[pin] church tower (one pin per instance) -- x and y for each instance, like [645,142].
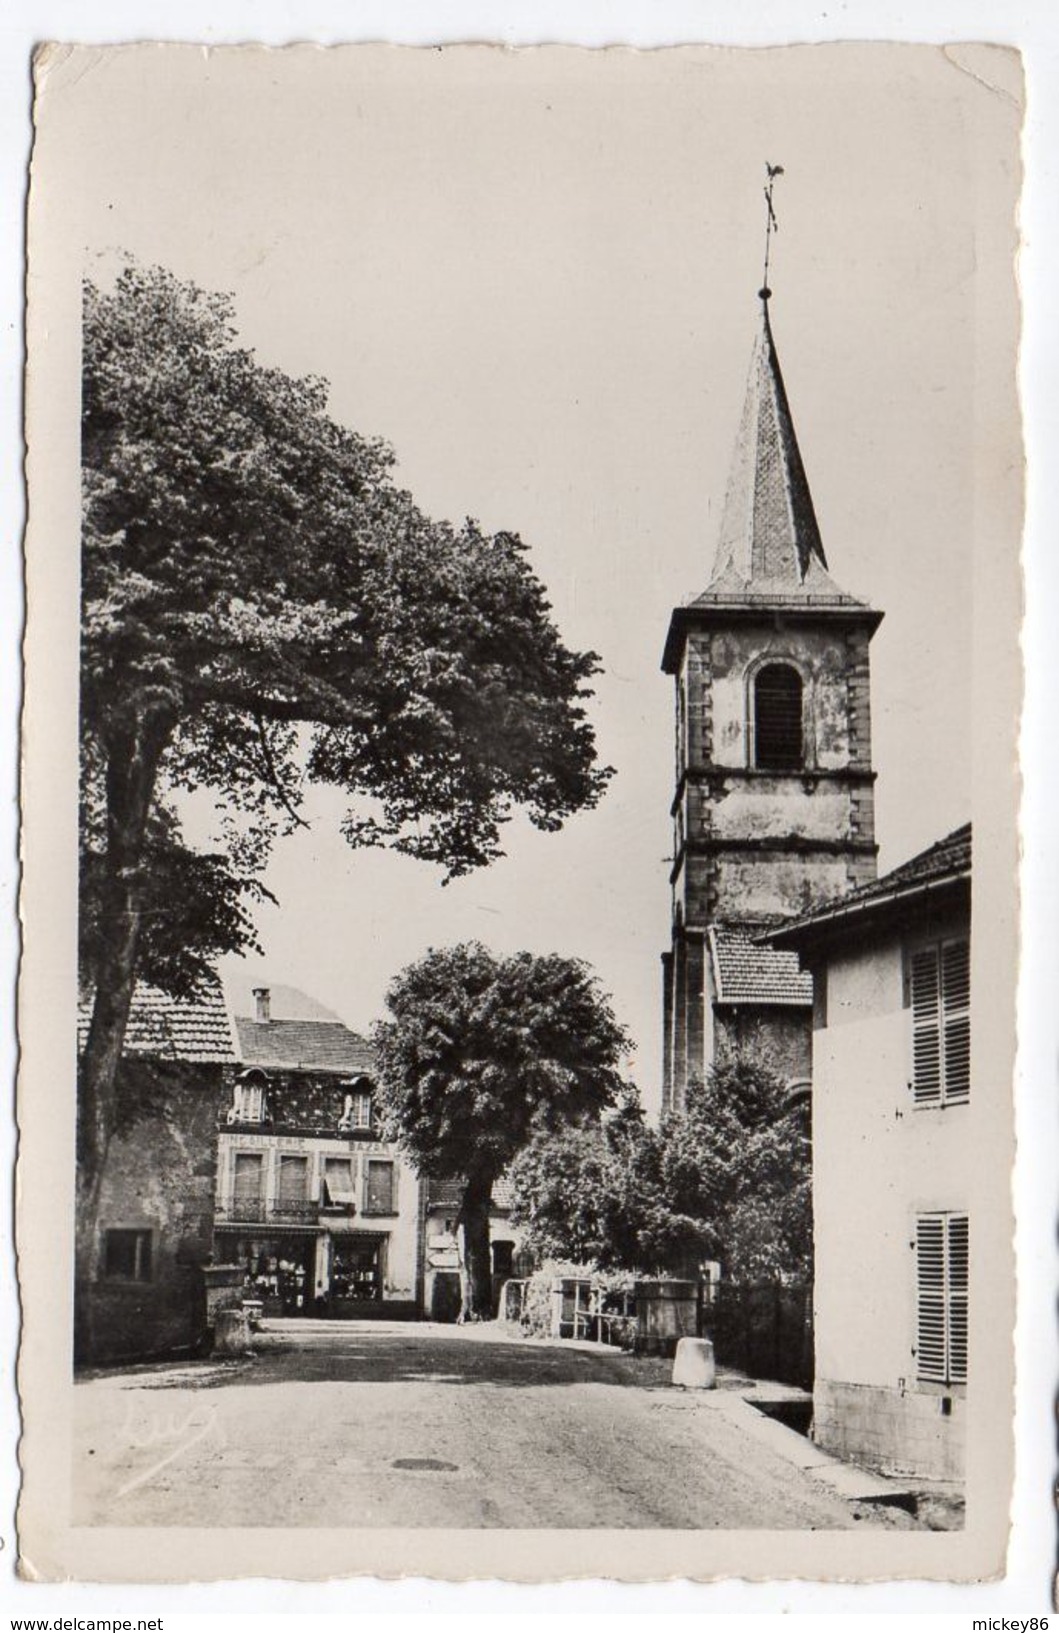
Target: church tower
[773,808]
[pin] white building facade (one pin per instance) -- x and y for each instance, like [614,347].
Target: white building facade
[893,1122]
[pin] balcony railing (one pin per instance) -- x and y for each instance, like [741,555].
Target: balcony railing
[244,1210]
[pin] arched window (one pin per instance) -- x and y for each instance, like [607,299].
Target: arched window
[778,734]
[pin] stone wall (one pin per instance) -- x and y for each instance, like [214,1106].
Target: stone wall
[779,1039]
[159,1180]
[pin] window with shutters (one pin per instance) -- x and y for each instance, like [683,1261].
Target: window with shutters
[248,1170]
[379,1188]
[248,1101]
[942,1267]
[356,1109]
[939,983]
[777,734]
[293,1179]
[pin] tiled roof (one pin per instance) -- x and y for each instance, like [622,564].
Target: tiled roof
[944,862]
[747,972]
[320,1046]
[166,1028]
[448,1193]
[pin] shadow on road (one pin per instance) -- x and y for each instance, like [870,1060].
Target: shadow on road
[387,1359]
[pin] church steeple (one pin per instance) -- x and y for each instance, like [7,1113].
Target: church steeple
[773,808]
[770,539]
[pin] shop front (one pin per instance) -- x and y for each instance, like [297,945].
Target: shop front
[279,1268]
[355,1274]
[309,1272]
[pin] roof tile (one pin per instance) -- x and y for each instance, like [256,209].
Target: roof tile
[164,1028]
[746,972]
[946,859]
[321,1046]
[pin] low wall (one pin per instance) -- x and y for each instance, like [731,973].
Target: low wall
[911,1433]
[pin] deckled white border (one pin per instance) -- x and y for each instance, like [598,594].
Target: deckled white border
[1030,27]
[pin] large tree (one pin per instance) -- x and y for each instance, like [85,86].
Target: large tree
[263,607]
[479,1054]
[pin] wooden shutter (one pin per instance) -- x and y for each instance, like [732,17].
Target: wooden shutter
[380,1187]
[293,1179]
[956,1014]
[778,731]
[248,1171]
[958,1275]
[942,1271]
[926,1026]
[930,1298]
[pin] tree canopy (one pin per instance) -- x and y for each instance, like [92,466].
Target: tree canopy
[725,1178]
[260,594]
[479,1053]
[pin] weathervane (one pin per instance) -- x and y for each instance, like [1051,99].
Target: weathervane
[771,224]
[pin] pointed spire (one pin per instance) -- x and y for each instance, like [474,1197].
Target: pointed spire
[770,538]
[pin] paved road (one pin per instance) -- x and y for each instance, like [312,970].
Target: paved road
[371,1425]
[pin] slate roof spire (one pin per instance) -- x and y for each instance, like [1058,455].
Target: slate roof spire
[770,546]
[770,538]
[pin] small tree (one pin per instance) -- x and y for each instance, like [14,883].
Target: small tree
[738,1159]
[478,1055]
[727,1177]
[597,1193]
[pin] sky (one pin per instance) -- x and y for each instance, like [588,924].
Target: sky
[536,278]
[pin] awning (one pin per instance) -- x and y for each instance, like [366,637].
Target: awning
[340,1196]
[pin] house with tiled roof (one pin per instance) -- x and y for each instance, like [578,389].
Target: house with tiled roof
[894,1099]
[155,1219]
[773,805]
[313,1203]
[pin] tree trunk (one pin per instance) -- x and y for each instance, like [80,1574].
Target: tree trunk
[132,769]
[477,1261]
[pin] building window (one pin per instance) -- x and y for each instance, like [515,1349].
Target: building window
[778,735]
[356,1110]
[942,1264]
[127,1255]
[248,1171]
[939,980]
[338,1182]
[293,1179]
[248,1102]
[380,1188]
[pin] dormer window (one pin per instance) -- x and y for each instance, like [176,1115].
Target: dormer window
[778,738]
[248,1099]
[356,1108]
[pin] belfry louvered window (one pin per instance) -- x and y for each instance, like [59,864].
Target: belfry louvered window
[940,999]
[942,1267]
[778,737]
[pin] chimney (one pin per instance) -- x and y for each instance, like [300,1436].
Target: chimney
[262,1004]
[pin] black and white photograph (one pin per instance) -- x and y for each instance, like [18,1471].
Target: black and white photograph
[518,1016]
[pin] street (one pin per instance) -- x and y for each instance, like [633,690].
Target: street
[372,1424]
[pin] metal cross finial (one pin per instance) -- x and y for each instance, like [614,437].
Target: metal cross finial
[771,224]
